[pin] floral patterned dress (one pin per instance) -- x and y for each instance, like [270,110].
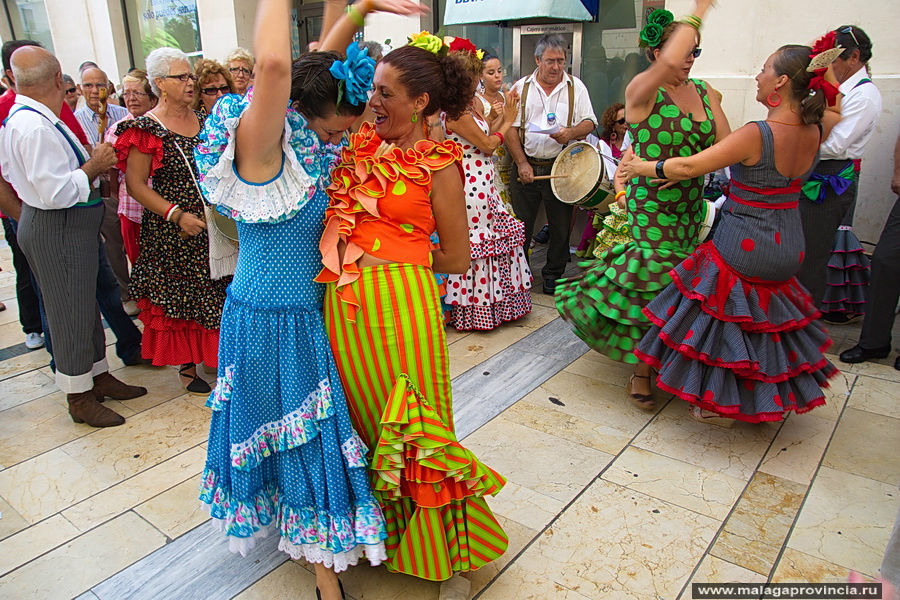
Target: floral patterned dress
[181,306]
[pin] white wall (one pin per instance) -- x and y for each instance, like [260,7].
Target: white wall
[739,36]
[89,30]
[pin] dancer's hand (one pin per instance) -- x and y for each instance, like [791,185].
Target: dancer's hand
[628,166]
[511,108]
[397,7]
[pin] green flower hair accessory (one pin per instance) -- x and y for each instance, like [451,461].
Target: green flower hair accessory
[427,41]
[657,21]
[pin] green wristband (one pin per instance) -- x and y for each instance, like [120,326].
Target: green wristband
[358,19]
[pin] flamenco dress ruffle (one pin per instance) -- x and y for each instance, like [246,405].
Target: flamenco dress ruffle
[496,287]
[282,452]
[746,349]
[612,230]
[847,277]
[389,341]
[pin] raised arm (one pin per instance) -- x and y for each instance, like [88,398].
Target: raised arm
[346,26]
[258,136]
[641,91]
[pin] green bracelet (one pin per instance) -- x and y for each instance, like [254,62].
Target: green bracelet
[693,21]
[358,19]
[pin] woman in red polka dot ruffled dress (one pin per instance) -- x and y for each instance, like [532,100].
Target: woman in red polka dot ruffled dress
[736,334]
[497,286]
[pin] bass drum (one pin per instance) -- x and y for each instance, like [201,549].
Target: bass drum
[580,177]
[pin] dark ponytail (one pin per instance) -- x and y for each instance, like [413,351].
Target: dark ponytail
[448,79]
[792,60]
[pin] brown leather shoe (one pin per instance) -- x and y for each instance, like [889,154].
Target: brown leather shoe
[84,408]
[107,385]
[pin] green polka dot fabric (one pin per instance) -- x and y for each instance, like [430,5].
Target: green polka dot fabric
[604,303]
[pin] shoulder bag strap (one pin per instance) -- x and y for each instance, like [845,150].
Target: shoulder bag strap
[522,127]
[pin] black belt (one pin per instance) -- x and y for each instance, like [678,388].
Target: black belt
[540,161]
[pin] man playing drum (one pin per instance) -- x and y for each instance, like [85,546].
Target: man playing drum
[555,110]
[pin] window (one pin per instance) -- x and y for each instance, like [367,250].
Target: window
[29,21]
[157,23]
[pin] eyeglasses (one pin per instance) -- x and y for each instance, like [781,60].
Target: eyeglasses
[183,78]
[554,61]
[236,70]
[71,90]
[621,121]
[696,52]
[849,29]
[134,94]
[212,91]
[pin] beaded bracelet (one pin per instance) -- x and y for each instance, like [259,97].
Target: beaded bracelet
[693,21]
[355,16]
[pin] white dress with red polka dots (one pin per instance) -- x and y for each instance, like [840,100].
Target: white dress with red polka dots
[735,332]
[496,288]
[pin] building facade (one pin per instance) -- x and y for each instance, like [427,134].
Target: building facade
[737,38]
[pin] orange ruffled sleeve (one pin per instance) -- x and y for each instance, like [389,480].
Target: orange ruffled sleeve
[361,184]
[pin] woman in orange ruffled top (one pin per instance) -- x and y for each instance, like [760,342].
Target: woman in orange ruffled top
[393,188]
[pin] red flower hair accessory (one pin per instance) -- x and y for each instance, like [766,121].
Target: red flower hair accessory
[461,44]
[826,42]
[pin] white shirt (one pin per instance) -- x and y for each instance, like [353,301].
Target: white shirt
[90,121]
[538,105]
[860,109]
[38,161]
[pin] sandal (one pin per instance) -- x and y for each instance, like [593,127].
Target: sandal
[642,401]
[709,417]
[196,385]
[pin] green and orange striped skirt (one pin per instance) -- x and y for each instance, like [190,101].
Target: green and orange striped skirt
[394,365]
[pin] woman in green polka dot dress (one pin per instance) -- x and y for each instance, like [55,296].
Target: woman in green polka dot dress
[669,115]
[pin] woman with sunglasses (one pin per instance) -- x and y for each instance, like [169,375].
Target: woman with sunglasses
[181,305]
[668,115]
[735,334]
[213,82]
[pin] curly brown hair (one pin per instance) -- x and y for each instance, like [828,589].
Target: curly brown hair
[448,79]
[206,69]
[608,120]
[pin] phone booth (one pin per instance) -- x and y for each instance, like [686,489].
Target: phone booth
[525,38]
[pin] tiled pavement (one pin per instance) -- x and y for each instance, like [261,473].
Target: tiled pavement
[603,500]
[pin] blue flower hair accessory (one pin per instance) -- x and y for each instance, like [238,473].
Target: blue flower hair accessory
[355,75]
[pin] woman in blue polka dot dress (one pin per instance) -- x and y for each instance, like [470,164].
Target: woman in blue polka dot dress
[282,451]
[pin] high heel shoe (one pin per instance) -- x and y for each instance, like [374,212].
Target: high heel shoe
[642,401]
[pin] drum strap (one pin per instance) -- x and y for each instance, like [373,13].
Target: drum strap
[524,99]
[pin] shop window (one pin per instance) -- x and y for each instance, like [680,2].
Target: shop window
[29,21]
[157,23]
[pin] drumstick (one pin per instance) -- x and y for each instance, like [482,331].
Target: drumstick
[542,177]
[101,127]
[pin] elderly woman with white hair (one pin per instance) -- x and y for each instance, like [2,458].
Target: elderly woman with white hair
[181,305]
[240,66]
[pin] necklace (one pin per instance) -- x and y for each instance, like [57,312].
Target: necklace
[784,123]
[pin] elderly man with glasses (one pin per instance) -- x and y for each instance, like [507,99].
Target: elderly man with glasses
[557,104]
